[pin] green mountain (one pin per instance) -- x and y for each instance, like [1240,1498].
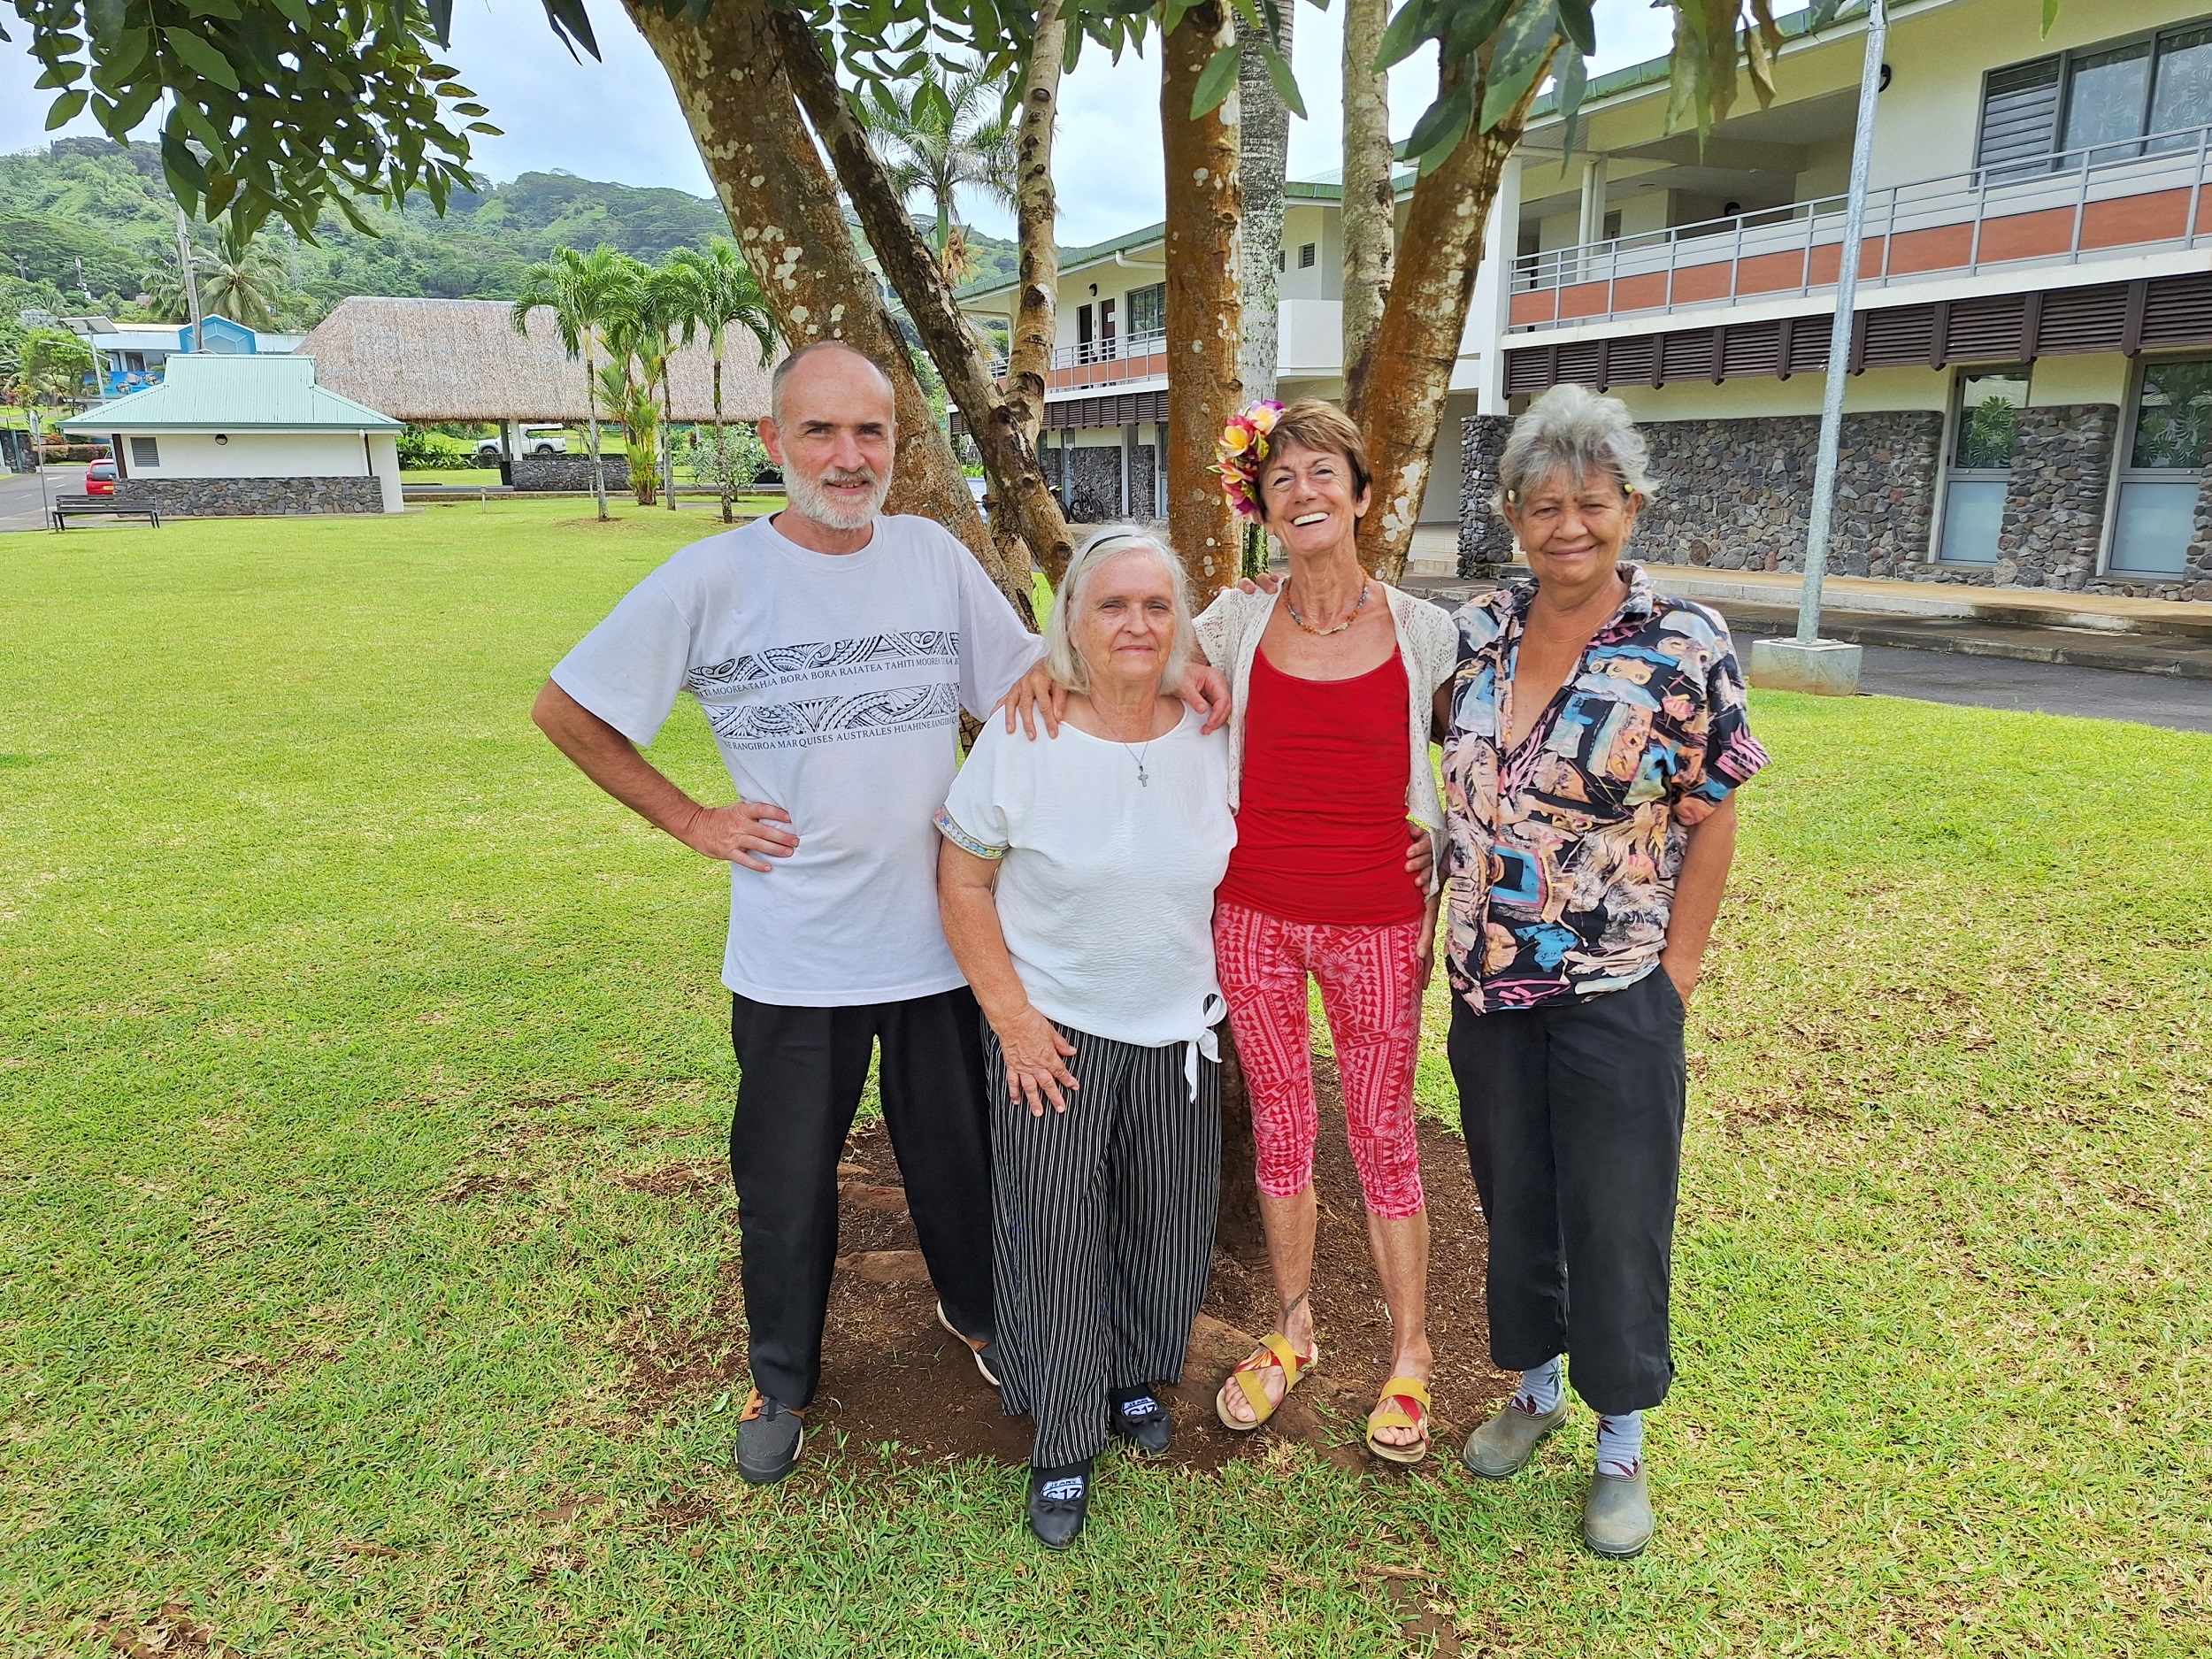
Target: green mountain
[87,216]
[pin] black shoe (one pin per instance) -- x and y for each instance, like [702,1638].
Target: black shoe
[1058,1500]
[1140,1417]
[986,1352]
[768,1436]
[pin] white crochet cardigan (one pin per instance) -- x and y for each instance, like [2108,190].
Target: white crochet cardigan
[1229,633]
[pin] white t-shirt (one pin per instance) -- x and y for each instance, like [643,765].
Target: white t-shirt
[1106,888]
[833,684]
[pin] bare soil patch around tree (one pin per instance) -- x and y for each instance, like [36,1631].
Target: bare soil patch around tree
[895,1388]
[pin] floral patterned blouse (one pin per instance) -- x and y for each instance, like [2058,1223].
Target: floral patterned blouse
[1562,854]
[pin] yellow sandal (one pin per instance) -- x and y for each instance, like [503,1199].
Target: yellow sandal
[1403,1404]
[1275,1350]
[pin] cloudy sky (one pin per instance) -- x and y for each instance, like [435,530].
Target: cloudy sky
[617,120]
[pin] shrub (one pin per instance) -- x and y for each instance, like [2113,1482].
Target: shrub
[425,451]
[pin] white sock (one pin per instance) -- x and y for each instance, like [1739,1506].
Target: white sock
[1621,1445]
[1539,1392]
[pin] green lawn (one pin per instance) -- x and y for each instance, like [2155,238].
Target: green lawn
[338,1005]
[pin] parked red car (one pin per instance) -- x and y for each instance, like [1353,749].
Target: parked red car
[99,478]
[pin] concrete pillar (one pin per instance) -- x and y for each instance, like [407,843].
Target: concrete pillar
[383,449]
[1592,225]
[1491,313]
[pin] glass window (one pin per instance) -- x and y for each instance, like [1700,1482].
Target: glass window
[1147,311]
[1305,255]
[1989,401]
[145,452]
[2105,95]
[2182,97]
[1973,513]
[2150,536]
[2173,416]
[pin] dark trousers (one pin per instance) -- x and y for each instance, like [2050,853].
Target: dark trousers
[1105,1230]
[801,1071]
[1573,1114]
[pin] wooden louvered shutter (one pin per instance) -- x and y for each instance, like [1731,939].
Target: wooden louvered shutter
[2019,115]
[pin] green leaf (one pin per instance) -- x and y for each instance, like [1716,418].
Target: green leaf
[65,107]
[1525,45]
[1449,112]
[226,9]
[296,12]
[1578,25]
[1286,83]
[104,20]
[201,58]
[1404,35]
[1215,82]
[187,178]
[1574,80]
[62,75]
[2050,17]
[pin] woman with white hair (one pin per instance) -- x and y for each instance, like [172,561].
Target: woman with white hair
[1595,734]
[1077,881]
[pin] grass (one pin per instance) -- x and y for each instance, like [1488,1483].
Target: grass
[338,1007]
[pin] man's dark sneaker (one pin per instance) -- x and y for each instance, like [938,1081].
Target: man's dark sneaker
[768,1439]
[1139,1418]
[1058,1500]
[986,1352]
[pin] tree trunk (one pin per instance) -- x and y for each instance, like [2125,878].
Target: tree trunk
[1204,314]
[1023,507]
[1036,213]
[729,78]
[591,409]
[668,434]
[1400,412]
[721,437]
[1368,226]
[1204,390]
[1262,163]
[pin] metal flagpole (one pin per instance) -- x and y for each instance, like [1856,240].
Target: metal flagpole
[38,465]
[1839,335]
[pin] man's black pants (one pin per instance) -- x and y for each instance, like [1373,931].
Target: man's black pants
[801,1071]
[1573,1114]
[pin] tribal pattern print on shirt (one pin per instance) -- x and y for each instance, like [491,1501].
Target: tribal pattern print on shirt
[825,659]
[1564,854]
[731,692]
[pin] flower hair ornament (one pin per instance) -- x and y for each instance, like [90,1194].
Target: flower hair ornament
[1239,453]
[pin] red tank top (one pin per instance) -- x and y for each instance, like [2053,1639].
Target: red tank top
[1321,823]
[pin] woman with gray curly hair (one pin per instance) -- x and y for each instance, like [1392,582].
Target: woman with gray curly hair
[1076,879]
[1595,733]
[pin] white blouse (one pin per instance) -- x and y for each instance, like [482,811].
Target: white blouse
[1110,853]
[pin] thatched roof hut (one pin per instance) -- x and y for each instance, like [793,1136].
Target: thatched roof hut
[432,360]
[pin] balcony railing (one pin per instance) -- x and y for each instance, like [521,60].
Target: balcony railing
[2092,202]
[1102,362]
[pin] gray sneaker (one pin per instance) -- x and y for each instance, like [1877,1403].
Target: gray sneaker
[1503,1446]
[768,1436]
[1617,1515]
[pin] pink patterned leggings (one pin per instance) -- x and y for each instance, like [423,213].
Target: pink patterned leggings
[1374,1011]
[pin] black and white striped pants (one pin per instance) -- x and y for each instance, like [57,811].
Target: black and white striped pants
[1105,1234]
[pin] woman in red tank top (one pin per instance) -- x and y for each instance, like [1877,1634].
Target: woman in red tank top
[1333,683]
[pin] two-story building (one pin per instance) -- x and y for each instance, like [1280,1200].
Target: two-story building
[1106,403]
[2031,391]
[135,355]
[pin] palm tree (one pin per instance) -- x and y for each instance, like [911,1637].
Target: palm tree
[667,300]
[629,399]
[947,133]
[724,295]
[244,281]
[583,291]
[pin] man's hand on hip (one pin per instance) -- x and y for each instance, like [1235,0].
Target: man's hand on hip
[746,833]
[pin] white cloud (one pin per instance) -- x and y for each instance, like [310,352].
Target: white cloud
[617,120]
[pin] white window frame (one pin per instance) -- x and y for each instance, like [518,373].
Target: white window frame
[1954,414]
[2123,473]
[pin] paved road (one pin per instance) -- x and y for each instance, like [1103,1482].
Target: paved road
[20,508]
[1986,682]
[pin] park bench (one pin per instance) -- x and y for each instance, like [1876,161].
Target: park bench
[66,507]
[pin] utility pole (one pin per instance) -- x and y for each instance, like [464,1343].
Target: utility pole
[1809,663]
[191,281]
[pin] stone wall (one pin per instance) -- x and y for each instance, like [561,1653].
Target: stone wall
[2055,502]
[248,498]
[1485,540]
[569,472]
[1093,486]
[1736,495]
[2197,583]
